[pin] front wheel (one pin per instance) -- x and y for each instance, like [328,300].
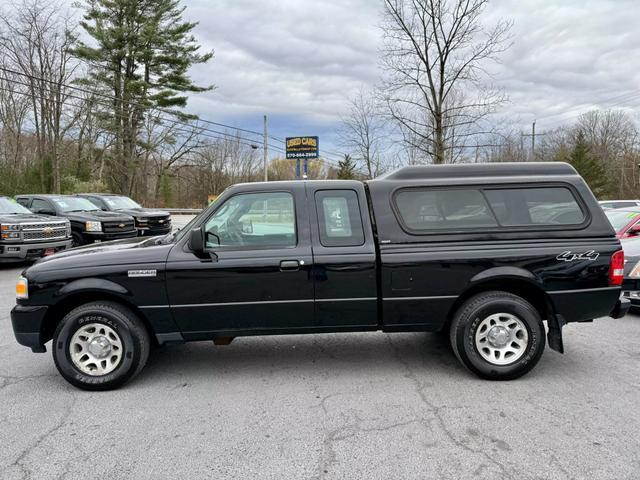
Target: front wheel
[100,346]
[76,240]
[498,335]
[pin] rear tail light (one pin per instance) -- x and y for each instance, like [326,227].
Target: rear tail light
[616,268]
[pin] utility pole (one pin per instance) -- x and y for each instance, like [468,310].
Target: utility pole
[533,141]
[265,151]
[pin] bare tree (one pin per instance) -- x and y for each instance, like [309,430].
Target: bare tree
[435,53]
[35,40]
[612,136]
[363,132]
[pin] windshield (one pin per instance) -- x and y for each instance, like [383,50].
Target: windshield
[119,203]
[74,204]
[620,218]
[9,206]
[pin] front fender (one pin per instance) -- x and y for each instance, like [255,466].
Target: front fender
[92,285]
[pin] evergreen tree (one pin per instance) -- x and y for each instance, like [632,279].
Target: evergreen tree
[588,166]
[346,168]
[140,55]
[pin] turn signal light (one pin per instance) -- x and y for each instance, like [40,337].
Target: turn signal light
[616,268]
[22,288]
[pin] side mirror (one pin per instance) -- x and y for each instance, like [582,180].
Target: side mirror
[634,230]
[196,240]
[46,212]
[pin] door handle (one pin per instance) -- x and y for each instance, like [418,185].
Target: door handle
[289,265]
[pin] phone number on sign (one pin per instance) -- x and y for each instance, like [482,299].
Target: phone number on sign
[302,155]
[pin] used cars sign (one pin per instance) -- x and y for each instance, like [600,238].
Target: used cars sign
[302,147]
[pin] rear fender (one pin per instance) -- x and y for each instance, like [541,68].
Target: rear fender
[524,283]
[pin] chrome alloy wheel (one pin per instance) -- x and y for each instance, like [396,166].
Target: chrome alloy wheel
[501,338]
[96,349]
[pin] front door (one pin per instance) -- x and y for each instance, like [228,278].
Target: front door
[258,276]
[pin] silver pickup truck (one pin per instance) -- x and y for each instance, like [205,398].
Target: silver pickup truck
[26,236]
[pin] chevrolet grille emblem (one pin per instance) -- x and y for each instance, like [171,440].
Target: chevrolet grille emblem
[161,221]
[47,230]
[121,225]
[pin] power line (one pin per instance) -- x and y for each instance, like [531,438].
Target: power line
[106,101]
[111,97]
[170,121]
[622,99]
[199,131]
[194,130]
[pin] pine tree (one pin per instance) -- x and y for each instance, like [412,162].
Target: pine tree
[588,166]
[346,168]
[140,55]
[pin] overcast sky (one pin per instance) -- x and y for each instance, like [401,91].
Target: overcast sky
[299,60]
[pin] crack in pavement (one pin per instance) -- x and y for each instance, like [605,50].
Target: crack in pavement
[18,462]
[435,410]
[344,432]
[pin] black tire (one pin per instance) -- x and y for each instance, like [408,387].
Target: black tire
[467,320]
[76,240]
[132,334]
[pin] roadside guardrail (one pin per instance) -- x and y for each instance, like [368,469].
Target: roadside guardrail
[183,211]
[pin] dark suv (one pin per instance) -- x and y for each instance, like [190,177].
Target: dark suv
[89,224]
[485,253]
[149,222]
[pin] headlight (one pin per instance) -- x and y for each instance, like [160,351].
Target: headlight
[22,288]
[9,227]
[635,271]
[68,227]
[9,231]
[93,226]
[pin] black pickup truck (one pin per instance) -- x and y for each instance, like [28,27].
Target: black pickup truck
[149,222]
[89,224]
[482,252]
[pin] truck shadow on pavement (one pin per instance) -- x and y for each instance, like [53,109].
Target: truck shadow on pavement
[304,355]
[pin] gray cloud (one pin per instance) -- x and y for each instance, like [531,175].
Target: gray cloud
[299,60]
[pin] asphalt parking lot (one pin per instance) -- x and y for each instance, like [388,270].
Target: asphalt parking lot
[374,406]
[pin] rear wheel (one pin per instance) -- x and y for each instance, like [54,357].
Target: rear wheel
[100,346]
[498,335]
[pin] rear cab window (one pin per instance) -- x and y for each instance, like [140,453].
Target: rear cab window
[433,209]
[339,219]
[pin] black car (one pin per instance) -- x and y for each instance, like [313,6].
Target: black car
[149,222]
[89,224]
[26,236]
[475,251]
[631,284]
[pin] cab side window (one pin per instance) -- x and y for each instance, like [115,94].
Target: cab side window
[339,219]
[39,206]
[253,220]
[98,202]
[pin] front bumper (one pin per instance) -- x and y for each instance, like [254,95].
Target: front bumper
[633,296]
[27,323]
[20,252]
[93,237]
[152,232]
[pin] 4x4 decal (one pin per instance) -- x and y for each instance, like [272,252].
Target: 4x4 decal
[569,256]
